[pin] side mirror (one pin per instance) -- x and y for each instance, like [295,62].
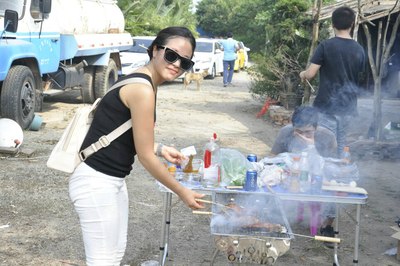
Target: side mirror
[45,6]
[11,20]
[218,51]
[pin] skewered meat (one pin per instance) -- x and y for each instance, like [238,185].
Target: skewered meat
[267,226]
[241,217]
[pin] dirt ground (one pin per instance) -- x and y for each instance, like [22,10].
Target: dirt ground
[38,225]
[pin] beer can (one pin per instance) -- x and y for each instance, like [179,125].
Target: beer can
[250,183]
[252,158]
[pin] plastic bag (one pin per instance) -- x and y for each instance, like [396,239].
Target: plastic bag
[234,166]
[336,169]
[270,175]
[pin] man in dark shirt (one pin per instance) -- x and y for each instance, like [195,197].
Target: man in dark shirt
[339,60]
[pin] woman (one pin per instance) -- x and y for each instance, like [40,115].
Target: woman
[97,187]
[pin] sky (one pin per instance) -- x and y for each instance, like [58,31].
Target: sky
[194,5]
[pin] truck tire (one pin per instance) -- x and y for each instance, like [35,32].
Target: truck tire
[105,77]
[18,96]
[87,89]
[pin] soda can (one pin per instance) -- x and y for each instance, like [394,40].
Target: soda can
[252,158]
[250,183]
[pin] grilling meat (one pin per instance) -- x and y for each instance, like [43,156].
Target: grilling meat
[241,217]
[266,226]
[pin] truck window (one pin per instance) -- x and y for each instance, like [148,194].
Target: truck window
[12,5]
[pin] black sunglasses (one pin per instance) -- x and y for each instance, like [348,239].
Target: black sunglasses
[170,56]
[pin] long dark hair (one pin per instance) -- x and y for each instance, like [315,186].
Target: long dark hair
[165,34]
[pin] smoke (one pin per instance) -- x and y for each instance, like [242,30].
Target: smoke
[247,214]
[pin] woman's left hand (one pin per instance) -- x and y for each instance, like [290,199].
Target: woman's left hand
[172,155]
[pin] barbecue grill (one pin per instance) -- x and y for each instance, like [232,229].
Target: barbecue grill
[249,227]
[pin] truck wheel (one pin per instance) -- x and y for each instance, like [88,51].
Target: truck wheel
[87,89]
[105,77]
[18,96]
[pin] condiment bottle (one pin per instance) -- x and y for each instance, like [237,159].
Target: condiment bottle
[295,175]
[304,173]
[212,173]
[346,155]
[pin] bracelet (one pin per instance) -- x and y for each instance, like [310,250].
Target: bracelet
[159,149]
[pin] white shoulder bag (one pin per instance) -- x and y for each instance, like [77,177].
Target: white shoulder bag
[65,156]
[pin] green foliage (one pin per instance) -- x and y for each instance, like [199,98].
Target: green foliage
[219,17]
[278,32]
[264,82]
[286,53]
[148,17]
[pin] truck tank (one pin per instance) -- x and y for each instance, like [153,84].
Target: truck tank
[87,16]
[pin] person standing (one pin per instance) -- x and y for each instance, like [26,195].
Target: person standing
[97,187]
[230,47]
[340,62]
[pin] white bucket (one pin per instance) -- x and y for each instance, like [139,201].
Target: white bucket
[11,134]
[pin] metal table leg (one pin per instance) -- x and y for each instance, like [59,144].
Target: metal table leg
[357,235]
[336,229]
[214,255]
[165,228]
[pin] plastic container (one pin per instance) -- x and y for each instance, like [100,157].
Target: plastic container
[212,173]
[36,123]
[304,173]
[340,172]
[346,155]
[294,175]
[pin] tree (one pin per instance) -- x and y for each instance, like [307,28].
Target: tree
[286,49]
[378,64]
[219,17]
[148,17]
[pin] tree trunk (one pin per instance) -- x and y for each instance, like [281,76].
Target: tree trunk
[317,9]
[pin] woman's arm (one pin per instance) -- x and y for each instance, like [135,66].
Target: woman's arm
[139,98]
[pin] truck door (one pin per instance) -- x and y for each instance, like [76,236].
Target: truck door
[45,39]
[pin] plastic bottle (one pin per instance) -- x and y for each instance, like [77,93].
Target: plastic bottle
[315,169]
[304,173]
[212,175]
[346,155]
[295,175]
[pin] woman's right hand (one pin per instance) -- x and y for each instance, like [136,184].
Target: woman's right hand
[189,197]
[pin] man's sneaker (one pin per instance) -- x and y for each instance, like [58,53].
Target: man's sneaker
[328,232]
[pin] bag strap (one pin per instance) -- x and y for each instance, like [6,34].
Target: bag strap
[105,140]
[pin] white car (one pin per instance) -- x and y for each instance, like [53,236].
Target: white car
[208,55]
[137,55]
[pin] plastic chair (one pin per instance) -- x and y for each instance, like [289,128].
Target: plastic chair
[315,218]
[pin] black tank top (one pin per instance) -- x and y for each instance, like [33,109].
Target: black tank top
[117,158]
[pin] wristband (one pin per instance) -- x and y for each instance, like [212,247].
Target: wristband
[159,149]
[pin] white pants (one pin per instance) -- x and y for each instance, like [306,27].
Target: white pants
[101,202]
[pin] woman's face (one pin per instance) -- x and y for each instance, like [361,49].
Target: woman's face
[167,70]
